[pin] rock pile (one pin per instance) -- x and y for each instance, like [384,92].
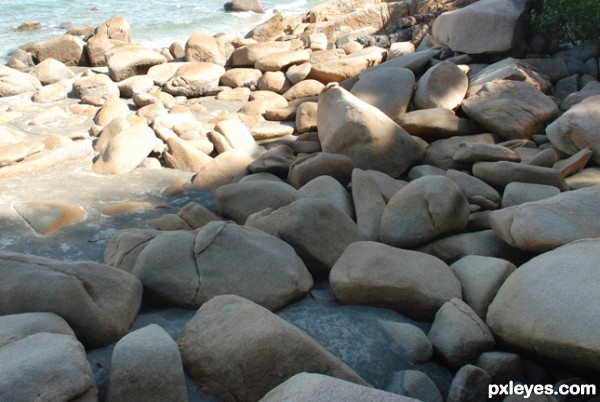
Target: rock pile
[462,195]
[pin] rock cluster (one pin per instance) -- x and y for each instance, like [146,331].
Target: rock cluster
[460,197]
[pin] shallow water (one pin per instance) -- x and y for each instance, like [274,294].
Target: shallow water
[153,22]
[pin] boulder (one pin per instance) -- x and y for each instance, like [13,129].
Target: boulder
[276,160]
[487,26]
[241,77]
[66,49]
[207,266]
[480,278]
[282,60]
[116,28]
[577,129]
[46,367]
[54,92]
[388,89]
[500,174]
[551,222]
[225,168]
[434,124]
[194,79]
[99,302]
[126,150]
[244,5]
[237,201]
[458,334]
[509,69]
[369,204]
[441,153]
[137,84]
[318,241]
[246,56]
[307,387]
[307,167]
[503,367]
[415,384]
[98,46]
[442,86]
[13,82]
[510,109]
[306,117]
[235,135]
[546,306]
[183,155]
[423,210]
[204,48]
[470,384]
[132,61]
[98,85]
[146,365]
[50,71]
[124,247]
[338,70]
[471,152]
[113,108]
[410,282]
[274,81]
[371,139]
[516,193]
[229,331]
[14,327]
[303,89]
[476,190]
[329,189]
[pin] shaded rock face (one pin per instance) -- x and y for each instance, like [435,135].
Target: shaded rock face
[371,139]
[89,296]
[269,350]
[530,308]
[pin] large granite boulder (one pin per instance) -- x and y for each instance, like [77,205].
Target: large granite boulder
[146,365]
[99,302]
[67,49]
[410,282]
[132,60]
[442,86]
[486,26]
[126,150]
[350,126]
[423,210]
[547,307]
[46,367]
[201,47]
[577,129]
[194,79]
[239,351]
[260,267]
[551,222]
[510,109]
[318,230]
[13,82]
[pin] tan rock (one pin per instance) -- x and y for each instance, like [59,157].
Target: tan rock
[112,109]
[132,61]
[442,86]
[137,84]
[117,28]
[13,82]
[126,150]
[248,55]
[241,77]
[50,71]
[194,79]
[67,49]
[99,85]
[345,67]
[274,81]
[281,60]
[226,168]
[49,217]
[297,73]
[201,47]
[304,89]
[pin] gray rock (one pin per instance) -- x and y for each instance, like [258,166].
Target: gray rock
[476,190]
[576,129]
[517,193]
[442,86]
[329,189]
[574,164]
[46,367]
[510,109]
[370,273]
[369,204]
[146,365]
[16,326]
[503,367]
[99,302]
[500,174]
[354,128]
[318,241]
[551,222]
[437,123]
[305,168]
[237,201]
[415,384]
[308,387]
[411,339]
[458,334]
[586,178]
[472,152]
[423,210]
[530,309]
[490,26]
[418,171]
[470,384]
[208,266]
[124,247]
[276,160]
[441,152]
[388,89]
[509,69]
[229,331]
[480,278]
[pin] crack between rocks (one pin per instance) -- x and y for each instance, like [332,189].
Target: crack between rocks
[484,330]
[198,252]
[125,255]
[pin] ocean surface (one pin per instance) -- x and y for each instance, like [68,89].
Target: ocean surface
[155,23]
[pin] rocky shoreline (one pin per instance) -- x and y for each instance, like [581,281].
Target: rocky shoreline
[382,201]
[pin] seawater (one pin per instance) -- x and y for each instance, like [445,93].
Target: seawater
[154,23]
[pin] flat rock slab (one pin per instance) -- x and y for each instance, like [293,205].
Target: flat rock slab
[48,217]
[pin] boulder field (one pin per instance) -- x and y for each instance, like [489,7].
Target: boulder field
[385,201]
